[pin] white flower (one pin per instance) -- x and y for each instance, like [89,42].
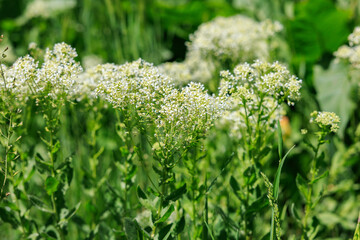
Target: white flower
[351,53]
[137,85]
[326,120]
[222,42]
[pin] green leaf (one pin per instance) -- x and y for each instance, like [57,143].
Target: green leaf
[51,185]
[175,195]
[7,215]
[55,147]
[303,39]
[294,213]
[325,174]
[73,211]
[39,204]
[180,225]
[229,159]
[249,175]
[157,171]
[41,164]
[334,90]
[280,140]
[207,229]
[166,215]
[228,221]
[165,232]
[278,173]
[302,185]
[131,229]
[357,230]
[131,173]
[141,193]
[256,206]
[319,27]
[235,186]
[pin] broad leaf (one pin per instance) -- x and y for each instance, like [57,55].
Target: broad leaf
[333,92]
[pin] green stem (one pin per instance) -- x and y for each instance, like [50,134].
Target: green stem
[162,197]
[308,207]
[246,206]
[8,135]
[52,161]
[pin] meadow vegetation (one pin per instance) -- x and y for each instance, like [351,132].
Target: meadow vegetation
[248,136]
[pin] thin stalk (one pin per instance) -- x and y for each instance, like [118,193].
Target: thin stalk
[6,156]
[52,161]
[309,200]
[162,197]
[2,75]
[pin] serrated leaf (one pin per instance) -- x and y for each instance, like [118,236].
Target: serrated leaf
[51,185]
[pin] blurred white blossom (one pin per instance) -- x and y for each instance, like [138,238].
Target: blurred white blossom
[223,42]
[351,53]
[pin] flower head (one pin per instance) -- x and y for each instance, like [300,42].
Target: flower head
[261,79]
[327,121]
[351,53]
[137,85]
[220,43]
[186,115]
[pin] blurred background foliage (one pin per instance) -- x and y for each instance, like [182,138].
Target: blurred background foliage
[156,30]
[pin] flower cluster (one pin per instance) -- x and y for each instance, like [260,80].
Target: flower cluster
[179,116]
[137,85]
[192,69]
[237,38]
[259,80]
[186,115]
[351,53]
[56,75]
[256,93]
[327,121]
[221,43]
[60,69]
